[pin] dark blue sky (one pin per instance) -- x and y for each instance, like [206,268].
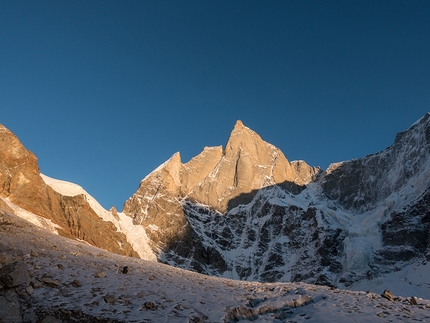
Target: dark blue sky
[105,91]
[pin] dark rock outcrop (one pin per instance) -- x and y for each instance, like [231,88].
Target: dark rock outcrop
[14,274]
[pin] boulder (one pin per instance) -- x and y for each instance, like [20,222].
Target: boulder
[387,295]
[14,274]
[9,308]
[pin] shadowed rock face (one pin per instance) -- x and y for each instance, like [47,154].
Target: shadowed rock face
[360,184]
[21,183]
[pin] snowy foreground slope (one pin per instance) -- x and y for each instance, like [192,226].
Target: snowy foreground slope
[74,282]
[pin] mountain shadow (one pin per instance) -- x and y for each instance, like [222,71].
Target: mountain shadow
[245,198]
[256,241]
[271,234]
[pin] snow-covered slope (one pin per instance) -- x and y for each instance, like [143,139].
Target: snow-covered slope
[75,282]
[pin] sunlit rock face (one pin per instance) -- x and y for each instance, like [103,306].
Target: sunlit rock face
[18,166]
[247,165]
[220,179]
[246,212]
[156,204]
[22,184]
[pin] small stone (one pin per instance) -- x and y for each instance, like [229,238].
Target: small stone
[387,295]
[76,283]
[124,270]
[413,300]
[110,299]
[152,277]
[60,266]
[33,254]
[100,274]
[35,283]
[50,319]
[126,301]
[5,259]
[179,307]
[50,282]
[150,306]
[29,289]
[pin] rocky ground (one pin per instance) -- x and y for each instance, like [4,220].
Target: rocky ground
[50,279]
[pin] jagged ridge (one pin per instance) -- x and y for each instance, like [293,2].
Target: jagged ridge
[246,212]
[251,214]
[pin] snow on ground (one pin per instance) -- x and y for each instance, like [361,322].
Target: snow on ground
[95,282]
[413,279]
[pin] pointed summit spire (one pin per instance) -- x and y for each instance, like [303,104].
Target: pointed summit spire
[242,135]
[239,125]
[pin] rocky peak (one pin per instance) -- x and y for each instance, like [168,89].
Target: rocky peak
[245,141]
[222,178]
[23,185]
[247,165]
[18,166]
[170,173]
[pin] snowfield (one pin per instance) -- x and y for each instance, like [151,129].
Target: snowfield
[76,282]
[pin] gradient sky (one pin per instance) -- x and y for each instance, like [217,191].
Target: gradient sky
[103,92]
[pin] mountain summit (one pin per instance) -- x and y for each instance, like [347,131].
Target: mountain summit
[218,178]
[248,164]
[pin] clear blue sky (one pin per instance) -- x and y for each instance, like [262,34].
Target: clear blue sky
[105,91]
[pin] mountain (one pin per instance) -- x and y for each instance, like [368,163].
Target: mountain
[24,191]
[245,212]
